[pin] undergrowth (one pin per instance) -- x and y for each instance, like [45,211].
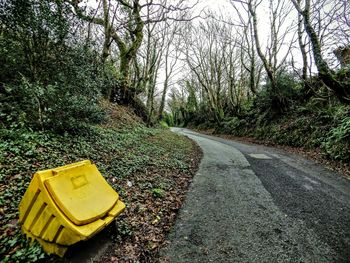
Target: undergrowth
[309,126]
[118,153]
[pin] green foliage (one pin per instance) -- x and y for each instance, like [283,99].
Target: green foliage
[207,125]
[119,155]
[46,84]
[337,144]
[191,105]
[123,229]
[233,125]
[26,251]
[280,100]
[169,119]
[311,124]
[158,193]
[49,108]
[164,124]
[184,111]
[306,126]
[343,74]
[289,115]
[38,30]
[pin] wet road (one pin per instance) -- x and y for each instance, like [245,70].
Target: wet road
[251,203]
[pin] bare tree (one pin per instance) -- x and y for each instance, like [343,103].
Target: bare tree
[327,75]
[214,59]
[123,22]
[279,29]
[201,56]
[171,57]
[246,42]
[152,58]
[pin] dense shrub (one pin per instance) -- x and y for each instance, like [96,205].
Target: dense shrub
[312,124]
[337,144]
[234,126]
[169,119]
[49,80]
[48,108]
[280,100]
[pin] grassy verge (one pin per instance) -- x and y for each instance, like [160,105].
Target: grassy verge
[153,197]
[144,165]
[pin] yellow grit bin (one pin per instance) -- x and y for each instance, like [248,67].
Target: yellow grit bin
[65,205]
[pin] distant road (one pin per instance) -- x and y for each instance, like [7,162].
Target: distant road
[251,203]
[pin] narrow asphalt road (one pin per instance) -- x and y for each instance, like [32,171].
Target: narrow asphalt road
[251,203]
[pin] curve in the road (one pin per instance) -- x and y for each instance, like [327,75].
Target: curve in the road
[251,203]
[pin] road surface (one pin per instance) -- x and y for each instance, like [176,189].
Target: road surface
[251,203]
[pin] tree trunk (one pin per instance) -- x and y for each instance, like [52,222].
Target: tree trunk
[162,102]
[302,49]
[341,90]
[267,67]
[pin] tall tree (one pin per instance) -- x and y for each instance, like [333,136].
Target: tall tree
[340,88]
[123,22]
[128,43]
[171,56]
[278,11]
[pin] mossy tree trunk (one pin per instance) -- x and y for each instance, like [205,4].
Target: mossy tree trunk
[127,47]
[327,75]
[269,68]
